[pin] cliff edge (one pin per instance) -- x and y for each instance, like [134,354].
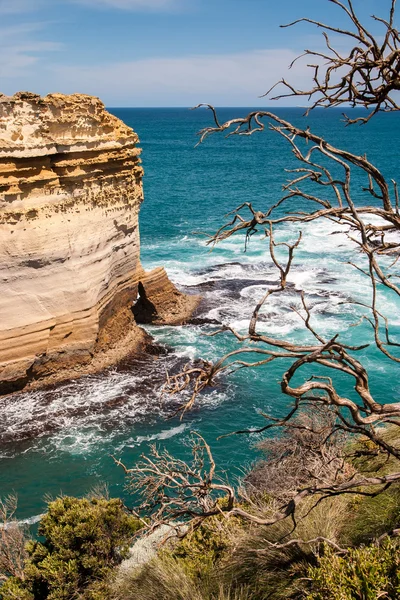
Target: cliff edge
[70,193]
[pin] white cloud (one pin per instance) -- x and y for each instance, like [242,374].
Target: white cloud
[20,49]
[132,5]
[19,31]
[9,7]
[229,79]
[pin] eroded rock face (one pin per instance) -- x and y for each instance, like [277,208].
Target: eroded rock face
[160,303]
[70,192]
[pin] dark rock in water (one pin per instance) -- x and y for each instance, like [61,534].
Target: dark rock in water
[261,266]
[115,402]
[319,295]
[202,287]
[264,317]
[203,321]
[214,268]
[234,286]
[157,349]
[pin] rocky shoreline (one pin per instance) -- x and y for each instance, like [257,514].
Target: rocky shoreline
[72,287]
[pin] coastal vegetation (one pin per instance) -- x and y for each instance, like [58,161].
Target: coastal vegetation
[324,377]
[80,542]
[350,438]
[344,548]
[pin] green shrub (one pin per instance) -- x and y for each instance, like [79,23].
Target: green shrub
[280,573]
[189,569]
[369,459]
[373,517]
[84,539]
[365,573]
[200,552]
[13,589]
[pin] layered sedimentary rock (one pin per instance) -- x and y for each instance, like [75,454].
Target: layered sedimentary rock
[70,192]
[160,303]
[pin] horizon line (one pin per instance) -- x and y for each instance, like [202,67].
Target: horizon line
[248,106]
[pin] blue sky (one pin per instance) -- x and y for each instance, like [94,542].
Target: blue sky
[160,52]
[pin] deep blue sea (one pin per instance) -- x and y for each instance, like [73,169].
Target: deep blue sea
[61,440]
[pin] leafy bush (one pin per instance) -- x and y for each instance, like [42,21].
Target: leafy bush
[201,552]
[84,540]
[189,569]
[373,516]
[365,573]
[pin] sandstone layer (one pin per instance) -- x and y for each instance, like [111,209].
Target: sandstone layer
[70,193]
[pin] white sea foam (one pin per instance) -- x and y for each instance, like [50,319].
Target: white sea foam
[165,434]
[80,415]
[30,521]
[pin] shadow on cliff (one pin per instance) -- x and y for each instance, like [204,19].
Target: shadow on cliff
[144,310]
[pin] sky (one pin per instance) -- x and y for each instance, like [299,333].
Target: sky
[162,52]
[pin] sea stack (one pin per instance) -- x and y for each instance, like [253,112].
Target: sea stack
[70,271]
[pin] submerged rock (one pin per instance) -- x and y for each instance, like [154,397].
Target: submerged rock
[70,193]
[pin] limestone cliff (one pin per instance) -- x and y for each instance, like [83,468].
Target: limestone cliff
[70,192]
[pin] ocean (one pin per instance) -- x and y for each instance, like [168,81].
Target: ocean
[61,440]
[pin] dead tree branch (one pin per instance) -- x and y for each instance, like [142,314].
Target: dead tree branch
[13,538]
[366,75]
[324,182]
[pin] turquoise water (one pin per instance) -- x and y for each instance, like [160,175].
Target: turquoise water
[61,440]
